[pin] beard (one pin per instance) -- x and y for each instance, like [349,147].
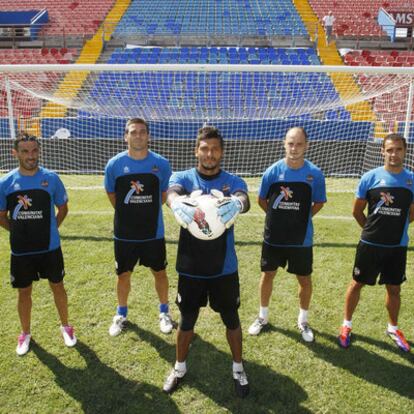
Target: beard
[30,165]
[210,167]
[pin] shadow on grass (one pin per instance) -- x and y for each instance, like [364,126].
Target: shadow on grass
[86,237]
[210,373]
[100,389]
[364,363]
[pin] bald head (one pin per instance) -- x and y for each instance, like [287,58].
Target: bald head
[297,132]
[296,144]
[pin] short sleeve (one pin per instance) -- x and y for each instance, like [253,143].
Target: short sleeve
[361,190]
[109,179]
[177,179]
[264,185]
[239,185]
[412,183]
[165,176]
[3,200]
[319,190]
[60,196]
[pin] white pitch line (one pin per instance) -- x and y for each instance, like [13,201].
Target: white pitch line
[111,212]
[251,190]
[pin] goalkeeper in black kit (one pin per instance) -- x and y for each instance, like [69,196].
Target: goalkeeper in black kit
[208,268]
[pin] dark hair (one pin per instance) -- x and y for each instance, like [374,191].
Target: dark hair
[301,129]
[209,132]
[136,121]
[394,137]
[23,136]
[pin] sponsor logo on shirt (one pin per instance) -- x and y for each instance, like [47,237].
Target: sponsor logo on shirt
[126,169]
[281,176]
[282,200]
[155,168]
[16,187]
[309,177]
[409,182]
[24,202]
[44,183]
[383,205]
[133,196]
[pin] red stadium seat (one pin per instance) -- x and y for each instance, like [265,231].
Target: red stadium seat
[62,14]
[73,5]
[357,18]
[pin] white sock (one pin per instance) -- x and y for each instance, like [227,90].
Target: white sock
[180,367]
[303,316]
[237,366]
[347,323]
[392,328]
[264,312]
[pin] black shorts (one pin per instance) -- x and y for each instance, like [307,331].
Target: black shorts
[147,253]
[388,262]
[28,268]
[298,259]
[222,292]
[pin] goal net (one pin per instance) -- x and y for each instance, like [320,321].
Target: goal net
[80,111]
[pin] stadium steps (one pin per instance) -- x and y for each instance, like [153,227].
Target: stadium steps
[344,84]
[72,83]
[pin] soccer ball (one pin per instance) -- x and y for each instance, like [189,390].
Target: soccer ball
[206,224]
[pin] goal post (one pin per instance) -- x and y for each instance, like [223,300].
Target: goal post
[80,111]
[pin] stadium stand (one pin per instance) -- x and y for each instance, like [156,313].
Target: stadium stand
[390,105]
[68,17]
[24,104]
[231,55]
[213,17]
[379,58]
[37,56]
[238,92]
[357,18]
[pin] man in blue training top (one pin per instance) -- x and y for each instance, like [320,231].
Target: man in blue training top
[382,250]
[292,191]
[28,196]
[208,269]
[136,181]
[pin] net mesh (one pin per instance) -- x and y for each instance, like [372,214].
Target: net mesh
[80,114]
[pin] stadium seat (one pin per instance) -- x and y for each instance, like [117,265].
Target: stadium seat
[75,18]
[235,18]
[356,18]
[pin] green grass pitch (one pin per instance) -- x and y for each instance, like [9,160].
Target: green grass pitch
[125,374]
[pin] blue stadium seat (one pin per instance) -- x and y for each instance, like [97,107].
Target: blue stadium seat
[209,17]
[241,93]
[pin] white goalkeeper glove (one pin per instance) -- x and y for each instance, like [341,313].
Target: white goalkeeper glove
[228,208]
[184,208]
